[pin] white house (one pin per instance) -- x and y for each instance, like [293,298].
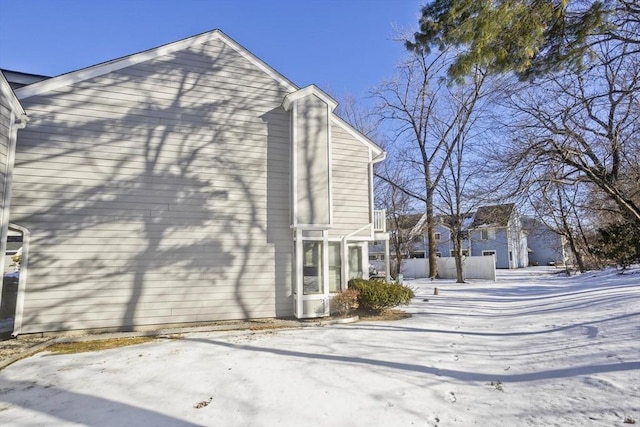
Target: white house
[187,183]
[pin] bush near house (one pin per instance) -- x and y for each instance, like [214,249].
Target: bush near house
[377,295]
[344,302]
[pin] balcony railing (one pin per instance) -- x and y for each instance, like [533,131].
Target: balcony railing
[380,221]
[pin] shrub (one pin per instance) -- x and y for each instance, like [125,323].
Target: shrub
[344,302]
[377,295]
[619,243]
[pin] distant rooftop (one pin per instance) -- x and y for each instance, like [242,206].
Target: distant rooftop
[493,216]
[18,79]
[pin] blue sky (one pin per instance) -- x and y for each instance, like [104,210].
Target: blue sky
[343,46]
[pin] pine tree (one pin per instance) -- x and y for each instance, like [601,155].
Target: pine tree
[529,37]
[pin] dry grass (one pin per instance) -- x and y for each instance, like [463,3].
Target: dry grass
[385,315]
[96,345]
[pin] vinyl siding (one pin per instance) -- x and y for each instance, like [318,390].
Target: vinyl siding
[157,194]
[312,158]
[5,131]
[350,184]
[500,244]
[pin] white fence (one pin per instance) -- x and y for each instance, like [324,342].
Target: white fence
[473,267]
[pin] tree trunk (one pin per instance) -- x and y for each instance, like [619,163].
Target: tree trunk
[431,237]
[576,253]
[457,254]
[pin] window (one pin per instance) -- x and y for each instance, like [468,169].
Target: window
[488,234]
[416,255]
[335,266]
[438,237]
[355,262]
[312,267]
[465,252]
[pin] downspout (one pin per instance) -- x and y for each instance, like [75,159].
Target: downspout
[22,280]
[14,126]
[380,157]
[6,197]
[387,262]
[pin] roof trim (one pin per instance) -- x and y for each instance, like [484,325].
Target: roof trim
[335,119]
[307,91]
[5,87]
[147,55]
[97,70]
[377,150]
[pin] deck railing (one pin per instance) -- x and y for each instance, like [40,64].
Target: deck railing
[380,220]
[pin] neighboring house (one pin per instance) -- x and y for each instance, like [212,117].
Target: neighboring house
[497,230]
[444,239]
[187,183]
[491,230]
[546,247]
[405,236]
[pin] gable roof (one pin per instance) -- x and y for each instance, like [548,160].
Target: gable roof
[445,220]
[147,55]
[408,222]
[493,216]
[306,91]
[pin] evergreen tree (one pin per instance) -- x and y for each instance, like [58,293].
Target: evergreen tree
[529,37]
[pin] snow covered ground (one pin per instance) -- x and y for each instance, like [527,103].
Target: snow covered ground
[530,349]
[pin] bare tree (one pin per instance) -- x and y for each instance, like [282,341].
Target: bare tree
[400,209]
[457,191]
[562,209]
[425,132]
[583,126]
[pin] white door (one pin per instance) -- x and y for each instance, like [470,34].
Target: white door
[311,297]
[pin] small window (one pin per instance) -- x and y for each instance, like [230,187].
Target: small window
[488,234]
[438,237]
[416,255]
[465,252]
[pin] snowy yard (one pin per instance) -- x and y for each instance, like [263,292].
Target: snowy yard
[530,349]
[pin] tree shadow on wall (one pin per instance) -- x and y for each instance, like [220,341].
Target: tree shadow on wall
[143,202]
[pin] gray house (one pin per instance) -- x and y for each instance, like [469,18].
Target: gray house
[187,183]
[546,247]
[497,230]
[490,231]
